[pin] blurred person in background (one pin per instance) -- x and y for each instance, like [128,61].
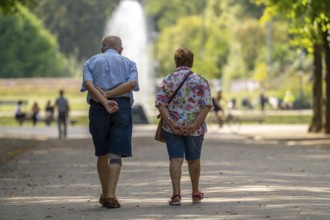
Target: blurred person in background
[217,107]
[19,114]
[49,113]
[63,109]
[288,100]
[35,115]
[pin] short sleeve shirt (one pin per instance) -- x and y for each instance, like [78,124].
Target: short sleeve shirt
[186,105]
[108,70]
[62,104]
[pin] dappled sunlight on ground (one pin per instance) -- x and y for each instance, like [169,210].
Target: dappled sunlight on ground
[242,179]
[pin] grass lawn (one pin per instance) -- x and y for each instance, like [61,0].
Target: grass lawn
[83,120]
[271,119]
[42,90]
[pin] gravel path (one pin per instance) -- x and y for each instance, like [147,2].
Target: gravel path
[243,177]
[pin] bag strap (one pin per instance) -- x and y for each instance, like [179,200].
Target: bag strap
[176,91]
[179,87]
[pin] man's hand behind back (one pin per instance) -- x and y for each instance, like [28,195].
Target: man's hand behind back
[111,106]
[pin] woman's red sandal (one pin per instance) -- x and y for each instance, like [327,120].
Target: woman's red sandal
[197,198]
[175,200]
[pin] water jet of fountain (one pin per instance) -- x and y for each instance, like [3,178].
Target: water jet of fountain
[129,23]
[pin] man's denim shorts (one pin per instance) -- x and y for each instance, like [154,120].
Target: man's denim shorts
[179,146]
[111,133]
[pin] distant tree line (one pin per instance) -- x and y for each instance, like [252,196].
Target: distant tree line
[269,41]
[27,49]
[78,25]
[50,38]
[310,25]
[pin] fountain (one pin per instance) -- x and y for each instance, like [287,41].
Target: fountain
[129,23]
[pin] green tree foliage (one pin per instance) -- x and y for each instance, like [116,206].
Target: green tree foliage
[284,55]
[224,45]
[249,50]
[78,25]
[11,6]
[248,8]
[311,28]
[26,48]
[309,18]
[205,34]
[167,13]
[251,35]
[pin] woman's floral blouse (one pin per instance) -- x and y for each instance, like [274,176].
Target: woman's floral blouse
[188,102]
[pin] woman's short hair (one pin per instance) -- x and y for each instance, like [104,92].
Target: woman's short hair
[184,57]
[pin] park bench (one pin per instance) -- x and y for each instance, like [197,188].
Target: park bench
[29,119]
[12,102]
[240,117]
[251,118]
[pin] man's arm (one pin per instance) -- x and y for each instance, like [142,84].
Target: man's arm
[110,105]
[120,89]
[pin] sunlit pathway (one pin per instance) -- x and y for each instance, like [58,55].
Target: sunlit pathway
[241,179]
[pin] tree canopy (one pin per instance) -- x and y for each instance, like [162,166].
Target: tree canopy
[310,24]
[226,36]
[167,13]
[309,19]
[78,25]
[27,48]
[11,6]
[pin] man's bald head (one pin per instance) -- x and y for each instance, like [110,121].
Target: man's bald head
[111,42]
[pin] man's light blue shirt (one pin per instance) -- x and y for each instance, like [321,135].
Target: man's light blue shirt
[108,70]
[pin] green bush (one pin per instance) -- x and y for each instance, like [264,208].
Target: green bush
[27,49]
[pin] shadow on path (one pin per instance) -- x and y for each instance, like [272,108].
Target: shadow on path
[241,178]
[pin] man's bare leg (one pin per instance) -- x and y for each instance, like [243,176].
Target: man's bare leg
[113,180]
[109,175]
[114,172]
[103,171]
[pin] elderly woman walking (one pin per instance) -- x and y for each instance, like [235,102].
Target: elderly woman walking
[184,121]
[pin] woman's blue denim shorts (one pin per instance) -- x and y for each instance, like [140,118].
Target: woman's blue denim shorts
[179,146]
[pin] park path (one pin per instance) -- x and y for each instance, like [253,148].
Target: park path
[265,172]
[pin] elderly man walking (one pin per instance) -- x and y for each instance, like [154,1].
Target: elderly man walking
[110,80]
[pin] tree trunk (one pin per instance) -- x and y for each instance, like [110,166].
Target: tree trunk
[317,118]
[327,81]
